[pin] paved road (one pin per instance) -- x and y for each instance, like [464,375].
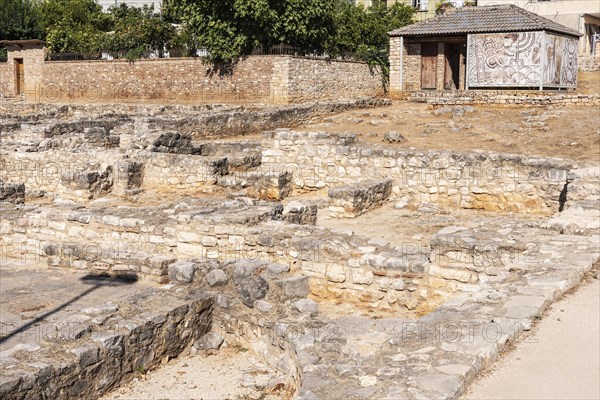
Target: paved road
[561,361]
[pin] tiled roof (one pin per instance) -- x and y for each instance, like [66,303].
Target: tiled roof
[483,19]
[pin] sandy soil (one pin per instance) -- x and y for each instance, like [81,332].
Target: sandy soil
[230,374]
[550,131]
[561,360]
[564,132]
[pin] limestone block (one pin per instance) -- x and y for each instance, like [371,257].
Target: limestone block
[358,198]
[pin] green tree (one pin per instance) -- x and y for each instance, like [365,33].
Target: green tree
[138,30]
[362,32]
[305,23]
[74,25]
[19,19]
[230,29]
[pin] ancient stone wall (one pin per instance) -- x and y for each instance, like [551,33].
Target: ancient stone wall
[472,180]
[93,360]
[143,245]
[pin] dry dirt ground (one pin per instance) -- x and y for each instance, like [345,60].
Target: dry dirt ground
[549,131]
[231,374]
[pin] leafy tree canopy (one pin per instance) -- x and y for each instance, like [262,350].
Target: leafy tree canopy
[229,29]
[19,19]
[73,25]
[138,30]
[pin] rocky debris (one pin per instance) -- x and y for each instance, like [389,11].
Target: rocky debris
[455,111]
[210,341]
[393,137]
[12,192]
[95,182]
[263,306]
[272,186]
[306,306]
[216,277]
[99,136]
[242,155]
[129,177]
[377,122]
[252,288]
[351,201]
[182,271]
[402,203]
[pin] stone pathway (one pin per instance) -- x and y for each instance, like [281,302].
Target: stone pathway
[34,300]
[561,360]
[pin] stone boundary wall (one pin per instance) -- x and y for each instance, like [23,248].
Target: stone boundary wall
[185,79]
[477,180]
[255,79]
[310,79]
[590,63]
[5,76]
[505,98]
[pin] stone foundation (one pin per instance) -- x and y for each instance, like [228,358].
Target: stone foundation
[488,181]
[504,97]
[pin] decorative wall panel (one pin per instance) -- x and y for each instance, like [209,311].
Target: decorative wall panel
[505,59]
[560,67]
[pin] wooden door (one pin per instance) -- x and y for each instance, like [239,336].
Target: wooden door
[429,52]
[452,68]
[20,70]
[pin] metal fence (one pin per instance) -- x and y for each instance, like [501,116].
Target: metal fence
[183,53]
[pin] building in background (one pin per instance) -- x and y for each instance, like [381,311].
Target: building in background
[106,4]
[580,15]
[502,47]
[425,8]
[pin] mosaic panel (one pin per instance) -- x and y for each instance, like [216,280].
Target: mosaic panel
[505,59]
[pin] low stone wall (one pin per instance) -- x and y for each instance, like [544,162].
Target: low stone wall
[143,243]
[352,201]
[478,180]
[590,63]
[92,360]
[506,97]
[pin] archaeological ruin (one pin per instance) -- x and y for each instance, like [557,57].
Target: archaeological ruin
[350,246]
[133,234]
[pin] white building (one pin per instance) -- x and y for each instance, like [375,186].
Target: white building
[106,4]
